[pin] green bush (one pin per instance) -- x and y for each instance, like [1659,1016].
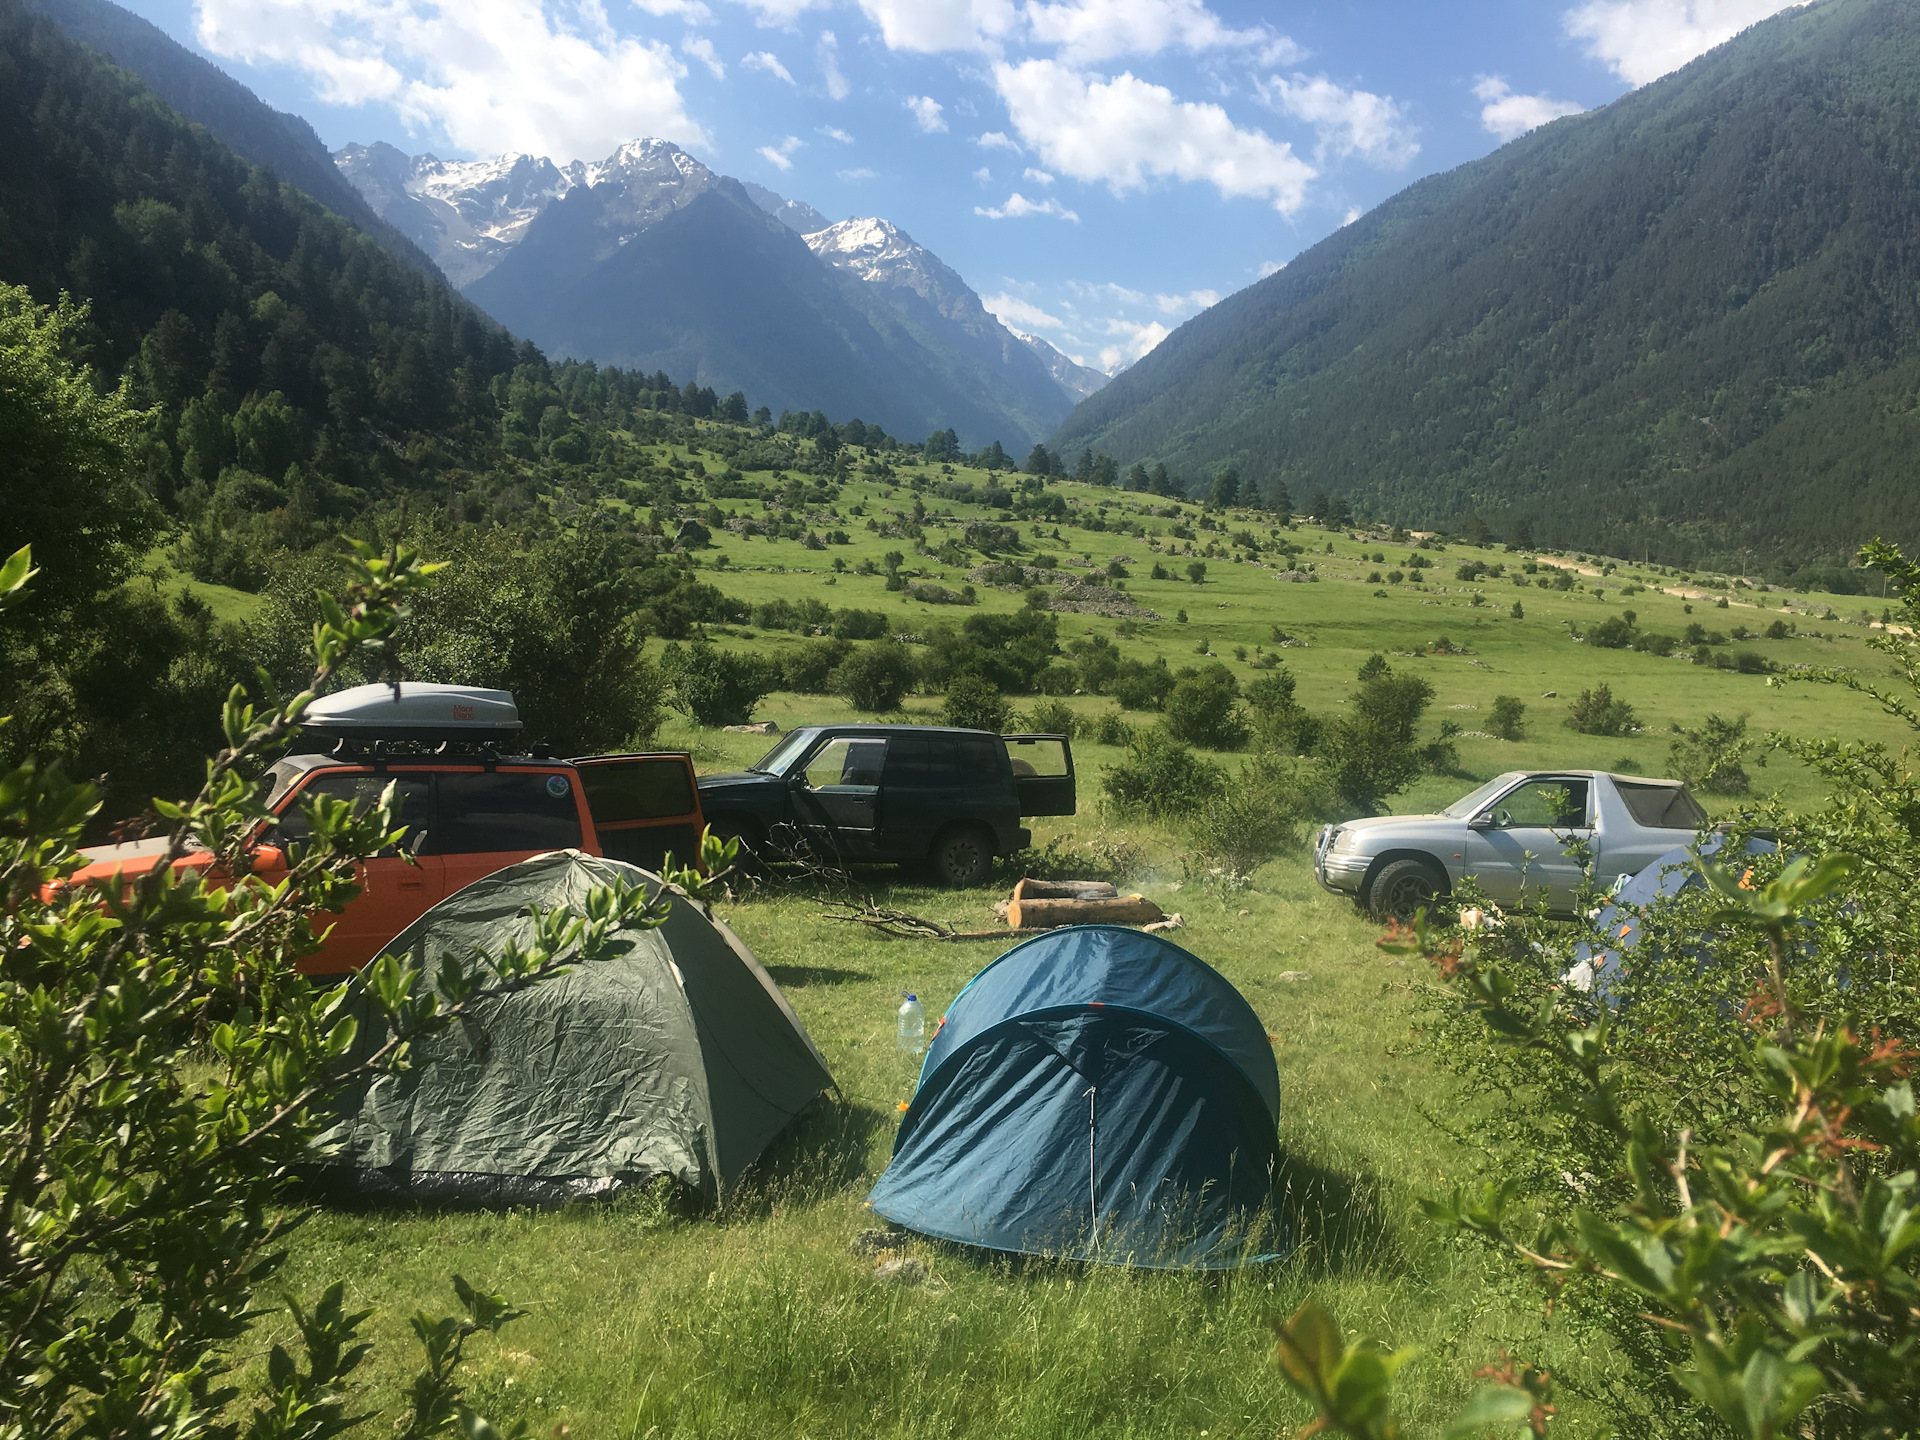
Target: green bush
[1709,756]
[1370,750]
[876,677]
[1111,729]
[712,686]
[976,704]
[1596,712]
[1053,717]
[1261,814]
[1160,777]
[1204,709]
[1141,686]
[1509,718]
[807,668]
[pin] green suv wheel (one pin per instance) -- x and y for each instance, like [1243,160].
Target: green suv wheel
[963,857]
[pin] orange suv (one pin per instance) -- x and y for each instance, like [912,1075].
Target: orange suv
[467,809]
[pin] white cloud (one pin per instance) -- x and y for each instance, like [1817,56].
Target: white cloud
[1126,131]
[691,11]
[837,87]
[994,140]
[701,49]
[982,176]
[1021,314]
[489,75]
[929,26]
[1354,212]
[1510,116]
[768,61]
[1018,207]
[782,12]
[1347,122]
[834,132]
[1039,177]
[780,156]
[1137,340]
[1641,40]
[1271,267]
[854,177]
[1092,30]
[1181,304]
[926,113]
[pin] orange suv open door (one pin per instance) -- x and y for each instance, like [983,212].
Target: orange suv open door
[643,806]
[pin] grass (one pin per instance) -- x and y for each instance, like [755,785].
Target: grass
[759,1321]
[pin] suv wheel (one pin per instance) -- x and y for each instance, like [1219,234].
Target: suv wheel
[963,857]
[1403,887]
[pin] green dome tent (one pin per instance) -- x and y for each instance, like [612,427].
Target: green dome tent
[680,1058]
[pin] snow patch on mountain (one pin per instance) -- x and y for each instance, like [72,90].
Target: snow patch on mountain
[1069,374]
[796,215]
[468,213]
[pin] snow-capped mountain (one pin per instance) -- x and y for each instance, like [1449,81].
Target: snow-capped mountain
[856,318]
[468,214]
[1076,379]
[796,215]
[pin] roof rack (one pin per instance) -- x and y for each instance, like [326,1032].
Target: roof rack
[415,710]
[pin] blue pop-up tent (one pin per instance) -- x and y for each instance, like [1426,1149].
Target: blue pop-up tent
[1600,962]
[1094,1094]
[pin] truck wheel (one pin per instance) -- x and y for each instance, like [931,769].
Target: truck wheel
[963,857]
[727,827]
[1403,887]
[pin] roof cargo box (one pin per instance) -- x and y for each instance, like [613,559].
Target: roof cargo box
[415,710]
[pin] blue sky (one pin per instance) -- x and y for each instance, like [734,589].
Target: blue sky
[1099,170]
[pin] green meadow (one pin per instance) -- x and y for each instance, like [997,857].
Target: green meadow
[759,1321]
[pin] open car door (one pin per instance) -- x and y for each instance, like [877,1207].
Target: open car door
[1043,773]
[643,806]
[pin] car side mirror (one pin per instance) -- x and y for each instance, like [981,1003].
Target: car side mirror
[1482,821]
[797,781]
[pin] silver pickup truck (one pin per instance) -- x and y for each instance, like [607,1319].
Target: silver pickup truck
[1513,836]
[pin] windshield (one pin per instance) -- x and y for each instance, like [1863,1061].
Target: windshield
[780,756]
[1473,803]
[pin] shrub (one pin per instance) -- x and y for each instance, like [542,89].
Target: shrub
[1204,709]
[976,704]
[1613,633]
[1370,750]
[807,668]
[712,686]
[1596,712]
[1110,729]
[1509,718]
[1197,571]
[859,625]
[1261,814]
[1709,757]
[1140,686]
[1160,777]
[876,677]
[1053,717]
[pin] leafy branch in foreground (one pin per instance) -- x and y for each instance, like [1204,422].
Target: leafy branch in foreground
[164,1068]
[1779,1266]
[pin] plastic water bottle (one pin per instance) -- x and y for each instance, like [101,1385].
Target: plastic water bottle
[911,1036]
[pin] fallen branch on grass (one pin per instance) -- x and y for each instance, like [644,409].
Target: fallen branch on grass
[903,924]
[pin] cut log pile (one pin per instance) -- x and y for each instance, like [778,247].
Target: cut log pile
[1048,904]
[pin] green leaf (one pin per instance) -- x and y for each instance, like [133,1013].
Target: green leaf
[1491,1405]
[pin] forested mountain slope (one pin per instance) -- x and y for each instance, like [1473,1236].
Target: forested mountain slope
[1688,322]
[205,94]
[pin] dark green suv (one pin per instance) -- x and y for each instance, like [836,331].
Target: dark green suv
[896,793]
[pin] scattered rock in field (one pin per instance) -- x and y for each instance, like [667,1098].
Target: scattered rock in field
[1085,597]
[1297,577]
[1549,694]
[764,727]
[1246,912]
[1295,975]
[901,1270]
[1396,965]
[1172,922]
